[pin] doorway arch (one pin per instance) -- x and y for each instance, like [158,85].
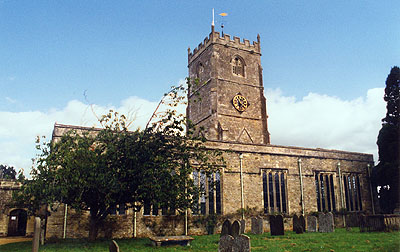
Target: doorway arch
[17,222]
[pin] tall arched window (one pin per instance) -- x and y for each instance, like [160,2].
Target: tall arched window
[274,191]
[325,191]
[352,189]
[238,66]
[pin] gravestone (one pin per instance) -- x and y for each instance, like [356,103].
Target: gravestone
[363,223]
[235,228]
[352,220]
[311,223]
[226,228]
[325,222]
[296,224]
[276,225]
[114,246]
[36,235]
[242,226]
[241,244]
[375,223]
[232,239]
[299,225]
[225,243]
[302,223]
[257,225]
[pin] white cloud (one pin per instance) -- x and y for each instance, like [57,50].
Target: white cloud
[314,121]
[321,121]
[10,100]
[18,130]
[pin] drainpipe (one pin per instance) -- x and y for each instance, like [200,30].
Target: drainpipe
[65,220]
[370,188]
[341,192]
[186,210]
[340,184]
[241,184]
[186,221]
[134,223]
[301,186]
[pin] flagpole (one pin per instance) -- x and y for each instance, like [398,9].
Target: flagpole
[213,17]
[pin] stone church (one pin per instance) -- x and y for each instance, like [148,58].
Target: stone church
[258,174]
[259,178]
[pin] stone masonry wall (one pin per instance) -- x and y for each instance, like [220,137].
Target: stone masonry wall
[210,103]
[264,157]
[6,190]
[256,158]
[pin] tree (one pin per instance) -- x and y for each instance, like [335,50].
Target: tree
[7,172]
[98,171]
[386,173]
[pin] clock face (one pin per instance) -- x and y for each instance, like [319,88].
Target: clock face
[240,103]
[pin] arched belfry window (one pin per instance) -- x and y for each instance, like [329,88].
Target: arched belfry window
[238,66]
[199,70]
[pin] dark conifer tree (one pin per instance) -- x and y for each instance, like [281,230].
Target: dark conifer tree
[386,173]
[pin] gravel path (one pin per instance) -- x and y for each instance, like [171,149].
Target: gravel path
[5,240]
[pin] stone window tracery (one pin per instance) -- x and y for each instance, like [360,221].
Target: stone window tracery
[274,190]
[325,192]
[210,192]
[238,66]
[352,192]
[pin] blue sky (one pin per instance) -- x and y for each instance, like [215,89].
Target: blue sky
[122,52]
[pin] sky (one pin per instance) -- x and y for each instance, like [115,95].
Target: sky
[324,65]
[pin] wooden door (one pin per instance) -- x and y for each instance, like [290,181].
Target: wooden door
[17,223]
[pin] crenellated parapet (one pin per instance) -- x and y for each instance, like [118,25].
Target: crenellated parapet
[9,184]
[225,40]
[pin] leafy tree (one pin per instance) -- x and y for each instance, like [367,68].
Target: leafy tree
[386,173]
[7,172]
[98,171]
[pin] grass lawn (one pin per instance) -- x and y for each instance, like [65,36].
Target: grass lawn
[340,240]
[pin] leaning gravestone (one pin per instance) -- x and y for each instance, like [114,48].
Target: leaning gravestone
[114,246]
[225,243]
[325,222]
[241,244]
[257,226]
[276,225]
[232,238]
[235,229]
[311,223]
[226,228]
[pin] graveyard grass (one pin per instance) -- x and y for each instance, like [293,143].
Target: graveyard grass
[340,240]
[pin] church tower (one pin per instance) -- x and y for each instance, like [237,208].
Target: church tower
[228,99]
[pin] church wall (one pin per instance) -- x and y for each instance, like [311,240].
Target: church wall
[313,161]
[256,159]
[7,187]
[121,226]
[223,65]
